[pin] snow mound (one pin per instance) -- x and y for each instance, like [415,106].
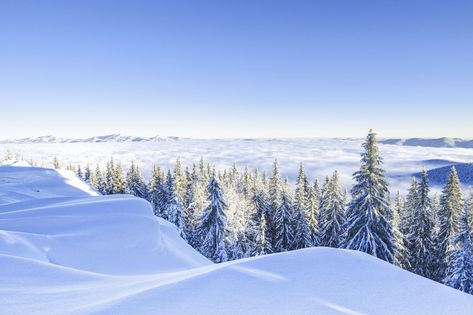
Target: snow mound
[66,250]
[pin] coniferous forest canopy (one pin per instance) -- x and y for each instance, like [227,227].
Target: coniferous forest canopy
[234,213]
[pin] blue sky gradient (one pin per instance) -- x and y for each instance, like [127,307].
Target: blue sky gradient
[209,69]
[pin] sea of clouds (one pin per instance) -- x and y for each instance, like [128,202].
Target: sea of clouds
[320,156]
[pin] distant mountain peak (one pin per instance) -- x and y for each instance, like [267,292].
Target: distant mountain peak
[96,139]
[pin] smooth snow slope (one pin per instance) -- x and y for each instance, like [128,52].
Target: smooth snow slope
[78,253]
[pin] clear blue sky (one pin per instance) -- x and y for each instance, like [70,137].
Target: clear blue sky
[236,68]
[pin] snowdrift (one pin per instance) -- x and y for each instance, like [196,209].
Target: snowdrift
[66,250]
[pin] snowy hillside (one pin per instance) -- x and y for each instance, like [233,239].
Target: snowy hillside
[65,250]
[438,176]
[435,143]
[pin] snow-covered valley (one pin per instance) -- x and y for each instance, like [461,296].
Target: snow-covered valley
[66,250]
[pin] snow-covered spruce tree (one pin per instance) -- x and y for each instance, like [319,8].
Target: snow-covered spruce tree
[282,225]
[135,184]
[189,207]
[212,226]
[400,257]
[451,206]
[332,216]
[179,180]
[314,209]
[118,182]
[56,163]
[87,173]
[302,232]
[420,237]
[79,172]
[408,208]
[459,273]
[155,188]
[368,229]
[173,206]
[275,194]
[99,182]
[237,216]
[259,225]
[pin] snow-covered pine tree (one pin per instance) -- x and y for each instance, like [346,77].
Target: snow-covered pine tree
[174,208]
[56,163]
[408,208]
[459,273]
[212,228]
[301,229]
[135,184]
[451,206]
[155,189]
[190,219]
[274,193]
[400,257]
[314,209]
[259,224]
[118,182]
[282,226]
[100,183]
[420,237]
[246,180]
[179,180]
[79,172]
[87,173]
[368,229]
[109,177]
[332,216]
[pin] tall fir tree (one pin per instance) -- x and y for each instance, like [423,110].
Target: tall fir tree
[275,191]
[87,173]
[174,209]
[301,228]
[314,210]
[332,216]
[153,188]
[283,224]
[135,183]
[400,257]
[459,273]
[420,237]
[450,208]
[368,228]
[212,228]
[179,180]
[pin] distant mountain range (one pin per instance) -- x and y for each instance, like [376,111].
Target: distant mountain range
[420,142]
[434,143]
[98,139]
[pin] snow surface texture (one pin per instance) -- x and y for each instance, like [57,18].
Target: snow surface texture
[65,250]
[320,156]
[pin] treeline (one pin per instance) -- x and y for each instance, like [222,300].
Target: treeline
[232,214]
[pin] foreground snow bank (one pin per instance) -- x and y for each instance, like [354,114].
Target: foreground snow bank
[65,250]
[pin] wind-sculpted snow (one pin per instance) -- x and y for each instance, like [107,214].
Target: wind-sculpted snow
[79,253]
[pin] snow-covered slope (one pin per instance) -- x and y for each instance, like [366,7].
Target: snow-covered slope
[439,176]
[434,143]
[64,250]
